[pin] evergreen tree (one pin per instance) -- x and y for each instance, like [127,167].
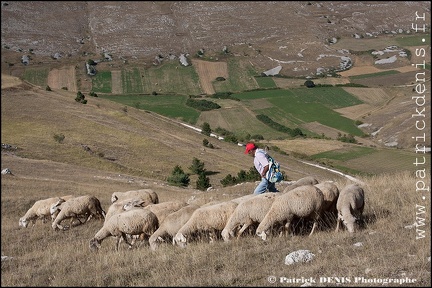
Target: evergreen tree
[178,177]
[197,166]
[203,182]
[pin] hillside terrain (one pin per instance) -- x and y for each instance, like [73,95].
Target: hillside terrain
[53,145]
[298,35]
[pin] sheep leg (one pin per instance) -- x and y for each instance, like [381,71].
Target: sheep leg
[315,224]
[286,228]
[88,218]
[212,236]
[119,239]
[245,225]
[339,219]
[125,239]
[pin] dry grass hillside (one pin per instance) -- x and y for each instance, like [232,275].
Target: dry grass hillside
[108,147]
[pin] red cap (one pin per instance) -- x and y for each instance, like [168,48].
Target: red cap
[249,147]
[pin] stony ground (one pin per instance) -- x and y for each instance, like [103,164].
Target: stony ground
[296,35]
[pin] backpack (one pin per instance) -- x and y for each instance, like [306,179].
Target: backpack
[274,174]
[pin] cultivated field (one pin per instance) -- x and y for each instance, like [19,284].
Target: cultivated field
[208,72]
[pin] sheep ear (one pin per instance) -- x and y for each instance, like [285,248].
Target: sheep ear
[137,203]
[114,198]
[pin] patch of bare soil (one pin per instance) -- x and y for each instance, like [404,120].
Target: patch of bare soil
[307,146]
[322,129]
[8,81]
[208,72]
[63,77]
[374,98]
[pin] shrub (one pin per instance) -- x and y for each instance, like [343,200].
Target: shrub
[203,182]
[309,84]
[202,105]
[80,98]
[197,166]
[178,177]
[205,129]
[59,138]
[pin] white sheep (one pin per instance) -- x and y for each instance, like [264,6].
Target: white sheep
[126,204]
[55,208]
[205,219]
[350,206]
[132,222]
[171,224]
[248,212]
[331,195]
[240,199]
[77,206]
[40,210]
[305,202]
[161,210]
[308,180]
[145,194]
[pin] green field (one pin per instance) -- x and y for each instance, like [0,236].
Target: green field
[383,73]
[265,82]
[101,82]
[304,105]
[413,40]
[37,76]
[241,77]
[172,106]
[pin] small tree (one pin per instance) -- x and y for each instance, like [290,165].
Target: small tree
[229,180]
[309,84]
[178,177]
[197,166]
[80,98]
[205,129]
[203,182]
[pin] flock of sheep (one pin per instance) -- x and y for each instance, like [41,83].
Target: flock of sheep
[138,215]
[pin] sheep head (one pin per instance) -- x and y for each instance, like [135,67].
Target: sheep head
[225,235]
[349,221]
[23,222]
[94,244]
[180,240]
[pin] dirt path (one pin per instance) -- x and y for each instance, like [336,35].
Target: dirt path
[116,82]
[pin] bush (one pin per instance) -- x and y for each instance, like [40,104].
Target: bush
[178,177]
[242,176]
[80,98]
[59,138]
[205,129]
[197,166]
[309,84]
[202,105]
[203,182]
